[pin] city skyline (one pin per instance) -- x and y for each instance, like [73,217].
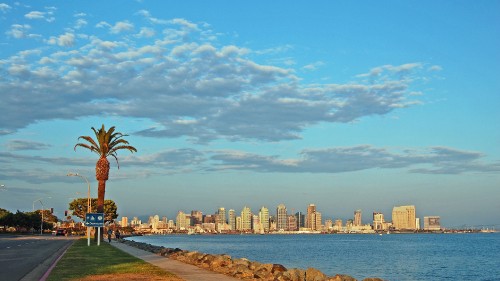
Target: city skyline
[349,105]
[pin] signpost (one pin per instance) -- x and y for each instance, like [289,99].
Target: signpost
[95,220]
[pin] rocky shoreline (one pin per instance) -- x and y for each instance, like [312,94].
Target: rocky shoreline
[242,268]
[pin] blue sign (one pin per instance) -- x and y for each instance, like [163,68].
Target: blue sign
[94,219]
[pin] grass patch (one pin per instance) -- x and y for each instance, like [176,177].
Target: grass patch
[104,262]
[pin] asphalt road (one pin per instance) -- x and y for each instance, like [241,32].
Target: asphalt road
[29,257]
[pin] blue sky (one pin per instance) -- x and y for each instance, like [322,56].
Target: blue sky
[346,105]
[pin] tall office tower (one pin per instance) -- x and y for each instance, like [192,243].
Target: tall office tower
[264,218]
[311,216]
[124,221]
[357,218]
[232,219]
[197,217]
[318,224]
[378,221]
[135,222]
[404,217]
[246,218]
[328,224]
[171,224]
[300,220]
[164,220]
[238,223]
[291,222]
[222,216]
[180,220]
[338,224]
[281,215]
[257,226]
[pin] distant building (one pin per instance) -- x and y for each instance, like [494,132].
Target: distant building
[300,220]
[357,218]
[180,221]
[404,217]
[313,219]
[246,218]
[378,221]
[197,217]
[124,222]
[221,218]
[232,219]
[281,217]
[337,225]
[292,223]
[264,218]
[432,223]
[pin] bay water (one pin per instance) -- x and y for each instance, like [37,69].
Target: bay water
[466,256]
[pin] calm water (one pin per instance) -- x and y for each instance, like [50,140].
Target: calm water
[391,257]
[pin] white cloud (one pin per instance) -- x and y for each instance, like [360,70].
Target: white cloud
[146,33]
[18,31]
[35,15]
[65,40]
[121,26]
[80,23]
[4,8]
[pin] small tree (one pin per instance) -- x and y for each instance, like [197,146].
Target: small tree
[79,207]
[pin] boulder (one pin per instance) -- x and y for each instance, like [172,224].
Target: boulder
[278,268]
[295,274]
[373,279]
[312,274]
[341,277]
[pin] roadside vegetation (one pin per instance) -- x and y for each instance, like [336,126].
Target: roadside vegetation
[105,262]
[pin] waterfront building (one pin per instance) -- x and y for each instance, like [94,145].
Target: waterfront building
[338,225]
[171,224]
[124,221]
[264,218]
[357,218]
[221,218]
[292,223]
[432,223]
[300,219]
[417,223]
[232,219]
[238,223]
[135,222]
[404,217]
[328,224]
[181,221]
[197,217]
[246,219]
[257,225]
[378,221]
[209,219]
[281,217]
[310,217]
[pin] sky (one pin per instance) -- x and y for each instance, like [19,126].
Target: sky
[346,105]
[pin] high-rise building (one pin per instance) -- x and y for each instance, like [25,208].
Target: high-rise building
[357,218]
[232,219]
[257,226]
[221,219]
[124,221]
[238,223]
[180,221]
[264,218]
[378,221]
[196,217]
[281,217]
[300,219]
[292,223]
[432,223]
[404,217]
[246,219]
[311,218]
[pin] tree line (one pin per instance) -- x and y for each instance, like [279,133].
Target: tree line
[26,221]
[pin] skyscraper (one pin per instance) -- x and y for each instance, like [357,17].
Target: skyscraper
[221,219]
[124,221]
[311,218]
[232,219]
[264,218]
[404,217]
[197,217]
[300,219]
[378,221]
[357,218]
[246,218]
[281,217]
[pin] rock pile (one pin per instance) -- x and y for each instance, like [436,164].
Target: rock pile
[242,268]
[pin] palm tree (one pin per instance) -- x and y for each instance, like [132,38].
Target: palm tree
[106,143]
